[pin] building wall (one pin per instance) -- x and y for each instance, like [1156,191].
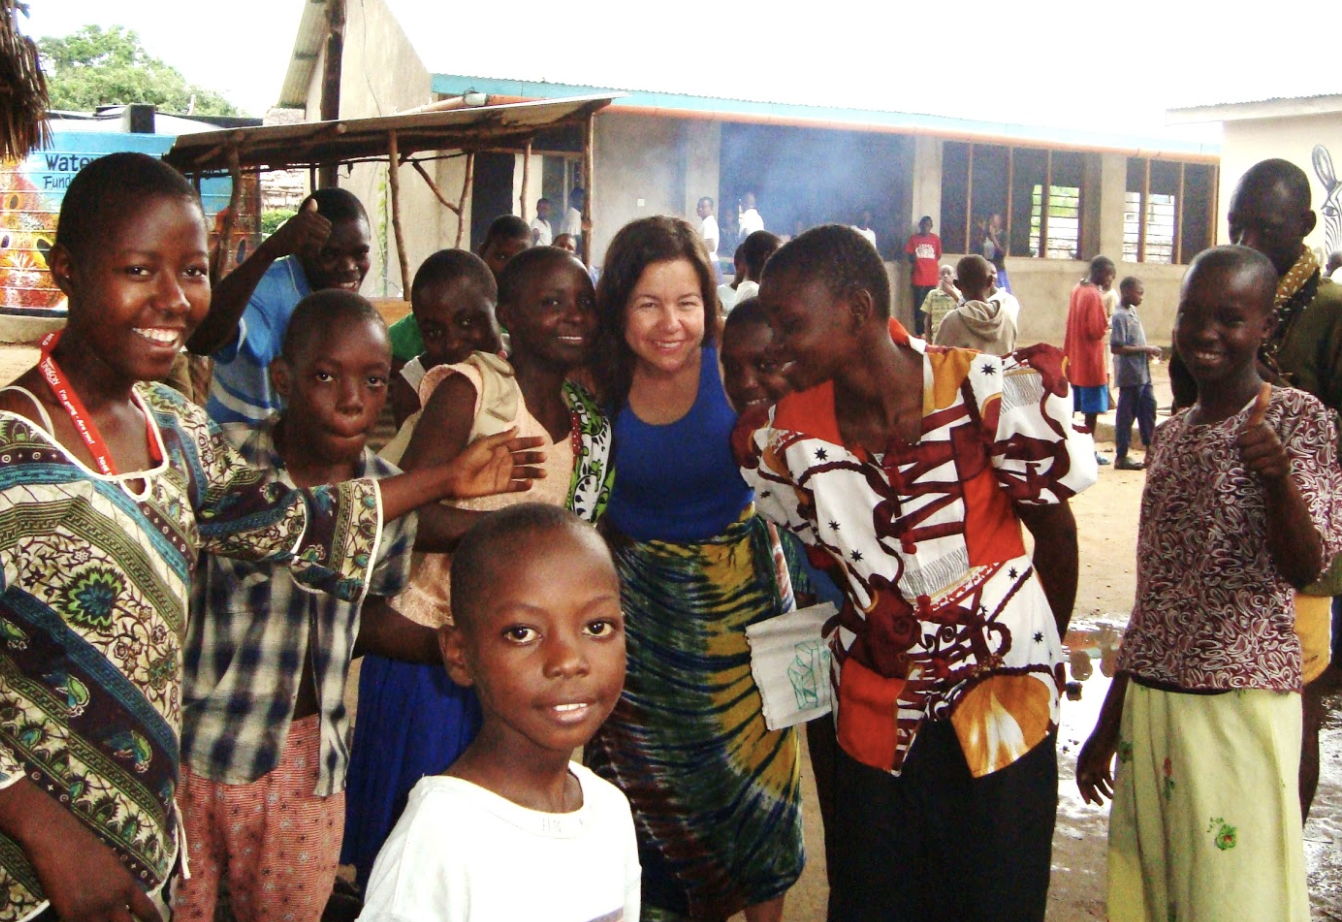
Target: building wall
[1293,138]
[641,170]
[381,75]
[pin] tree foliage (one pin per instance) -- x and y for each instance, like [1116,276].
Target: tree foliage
[95,67]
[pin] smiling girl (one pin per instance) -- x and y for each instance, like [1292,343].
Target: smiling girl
[110,485]
[715,793]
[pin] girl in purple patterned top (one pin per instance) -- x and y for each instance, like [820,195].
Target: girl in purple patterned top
[1241,505]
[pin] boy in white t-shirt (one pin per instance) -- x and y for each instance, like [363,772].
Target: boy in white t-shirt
[514,830]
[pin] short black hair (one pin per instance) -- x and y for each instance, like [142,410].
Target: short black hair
[545,200]
[451,266]
[1280,171]
[104,187]
[1099,264]
[748,311]
[707,198]
[927,218]
[838,256]
[324,312]
[756,250]
[506,227]
[525,265]
[339,205]
[496,544]
[1129,282]
[1240,260]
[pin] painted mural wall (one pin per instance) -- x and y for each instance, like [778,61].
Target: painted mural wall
[31,192]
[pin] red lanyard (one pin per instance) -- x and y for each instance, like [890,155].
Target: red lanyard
[73,405]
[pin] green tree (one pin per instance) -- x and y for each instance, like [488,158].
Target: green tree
[93,67]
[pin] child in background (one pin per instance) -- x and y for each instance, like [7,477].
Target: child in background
[325,245]
[754,381]
[514,830]
[939,302]
[977,323]
[507,236]
[1132,374]
[568,243]
[728,292]
[452,301]
[1243,505]
[755,252]
[911,469]
[114,484]
[412,720]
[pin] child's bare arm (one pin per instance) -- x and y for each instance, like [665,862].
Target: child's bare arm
[1094,764]
[95,888]
[1055,556]
[1292,539]
[404,400]
[386,632]
[304,232]
[501,463]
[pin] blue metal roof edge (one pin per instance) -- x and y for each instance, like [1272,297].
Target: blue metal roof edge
[455,84]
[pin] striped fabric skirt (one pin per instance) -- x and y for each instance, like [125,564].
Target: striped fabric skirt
[716,795]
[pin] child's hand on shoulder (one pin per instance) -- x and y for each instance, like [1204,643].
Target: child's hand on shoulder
[1262,451]
[501,463]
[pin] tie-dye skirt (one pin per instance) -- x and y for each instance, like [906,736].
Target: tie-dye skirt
[716,795]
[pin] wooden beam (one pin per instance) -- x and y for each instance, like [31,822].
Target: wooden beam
[969,197]
[1145,204]
[1043,204]
[220,257]
[526,177]
[331,70]
[433,187]
[1179,219]
[465,191]
[589,184]
[394,181]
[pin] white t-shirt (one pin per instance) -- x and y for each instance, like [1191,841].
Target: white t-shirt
[750,222]
[708,229]
[868,233]
[460,853]
[545,234]
[726,297]
[572,224]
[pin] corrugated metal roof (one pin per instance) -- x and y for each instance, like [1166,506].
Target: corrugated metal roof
[302,60]
[782,113]
[309,144]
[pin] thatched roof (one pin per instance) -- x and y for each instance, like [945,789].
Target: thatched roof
[23,88]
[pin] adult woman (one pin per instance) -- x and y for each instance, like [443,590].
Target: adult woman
[715,793]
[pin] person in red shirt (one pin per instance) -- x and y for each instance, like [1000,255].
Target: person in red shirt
[923,250]
[1087,329]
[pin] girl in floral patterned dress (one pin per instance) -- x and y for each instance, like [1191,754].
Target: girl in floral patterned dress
[110,486]
[1242,505]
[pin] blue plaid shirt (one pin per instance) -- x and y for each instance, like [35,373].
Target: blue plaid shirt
[247,642]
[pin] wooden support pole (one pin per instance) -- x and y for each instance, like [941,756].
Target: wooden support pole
[1145,204]
[1043,204]
[526,178]
[331,70]
[220,257]
[1179,220]
[969,197]
[465,190]
[394,181]
[433,187]
[589,183]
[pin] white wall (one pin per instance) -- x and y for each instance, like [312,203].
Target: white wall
[381,75]
[1292,138]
